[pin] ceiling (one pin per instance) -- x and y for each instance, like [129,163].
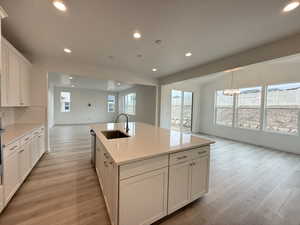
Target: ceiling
[98,29]
[63,80]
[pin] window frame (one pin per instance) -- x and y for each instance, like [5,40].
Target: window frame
[62,103]
[215,112]
[125,105]
[263,113]
[111,103]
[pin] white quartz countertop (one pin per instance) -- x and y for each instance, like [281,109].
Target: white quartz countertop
[145,141]
[16,131]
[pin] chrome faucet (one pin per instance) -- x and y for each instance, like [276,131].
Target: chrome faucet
[123,114]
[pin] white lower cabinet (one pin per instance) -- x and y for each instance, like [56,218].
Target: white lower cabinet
[188,181]
[18,160]
[11,175]
[199,177]
[143,198]
[179,186]
[144,191]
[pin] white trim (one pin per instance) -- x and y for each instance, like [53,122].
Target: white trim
[3,14]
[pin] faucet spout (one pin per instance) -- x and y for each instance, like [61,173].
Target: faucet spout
[127,119]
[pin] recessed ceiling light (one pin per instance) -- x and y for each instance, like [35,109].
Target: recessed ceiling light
[70,78]
[291,6]
[154,69]
[188,54]
[60,5]
[67,50]
[119,84]
[137,35]
[73,85]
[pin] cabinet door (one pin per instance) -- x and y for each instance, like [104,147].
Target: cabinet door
[143,198]
[98,165]
[34,150]
[11,175]
[179,186]
[24,83]
[4,74]
[13,90]
[199,177]
[41,144]
[22,160]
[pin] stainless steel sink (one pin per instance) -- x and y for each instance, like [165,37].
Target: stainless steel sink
[114,134]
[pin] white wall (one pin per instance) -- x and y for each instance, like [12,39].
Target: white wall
[145,103]
[50,106]
[165,108]
[81,113]
[249,77]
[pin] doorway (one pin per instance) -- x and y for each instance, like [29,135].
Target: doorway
[181,110]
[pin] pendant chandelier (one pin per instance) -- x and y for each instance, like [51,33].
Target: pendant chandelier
[232,91]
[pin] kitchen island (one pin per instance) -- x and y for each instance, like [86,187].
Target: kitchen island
[150,173]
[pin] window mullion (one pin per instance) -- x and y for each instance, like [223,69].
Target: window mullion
[263,108]
[234,109]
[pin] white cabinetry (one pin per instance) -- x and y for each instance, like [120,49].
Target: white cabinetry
[188,179]
[15,77]
[19,158]
[144,191]
[143,198]
[179,186]
[11,171]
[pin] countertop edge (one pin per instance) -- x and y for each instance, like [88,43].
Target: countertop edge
[16,138]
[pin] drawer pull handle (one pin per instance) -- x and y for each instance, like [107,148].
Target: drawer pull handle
[105,154]
[21,151]
[193,164]
[105,164]
[181,157]
[13,148]
[26,139]
[200,153]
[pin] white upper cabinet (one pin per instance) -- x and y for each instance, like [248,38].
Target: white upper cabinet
[15,77]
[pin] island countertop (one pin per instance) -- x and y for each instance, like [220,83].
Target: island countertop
[145,141]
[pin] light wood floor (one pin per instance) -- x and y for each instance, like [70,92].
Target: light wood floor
[249,185]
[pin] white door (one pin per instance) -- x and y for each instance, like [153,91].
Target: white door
[11,175]
[199,177]
[179,186]
[143,198]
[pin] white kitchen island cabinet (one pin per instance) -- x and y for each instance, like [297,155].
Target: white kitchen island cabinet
[150,174]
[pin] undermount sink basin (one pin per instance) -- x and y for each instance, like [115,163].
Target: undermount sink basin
[114,134]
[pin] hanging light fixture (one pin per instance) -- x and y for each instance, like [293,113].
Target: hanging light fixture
[232,91]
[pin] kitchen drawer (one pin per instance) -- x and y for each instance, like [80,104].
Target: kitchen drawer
[36,132]
[200,152]
[143,166]
[180,157]
[11,148]
[26,139]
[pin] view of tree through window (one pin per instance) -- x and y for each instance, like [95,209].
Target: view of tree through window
[65,101]
[283,107]
[248,108]
[224,109]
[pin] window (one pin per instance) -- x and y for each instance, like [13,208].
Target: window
[129,103]
[65,101]
[282,108]
[111,103]
[248,108]
[224,109]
